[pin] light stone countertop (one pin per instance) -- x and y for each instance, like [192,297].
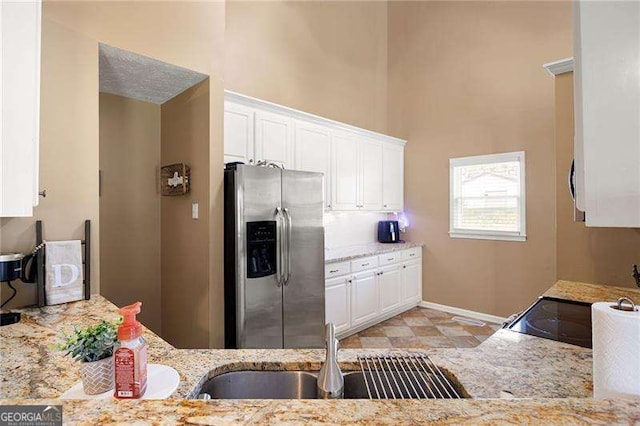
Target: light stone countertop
[591,293]
[353,252]
[551,381]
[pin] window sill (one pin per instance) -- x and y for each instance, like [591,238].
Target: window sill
[498,237]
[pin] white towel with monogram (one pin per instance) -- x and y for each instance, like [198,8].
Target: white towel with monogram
[63,271]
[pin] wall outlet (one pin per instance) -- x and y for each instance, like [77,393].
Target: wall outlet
[194,211]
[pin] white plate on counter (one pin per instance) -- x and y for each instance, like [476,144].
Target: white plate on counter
[162,381]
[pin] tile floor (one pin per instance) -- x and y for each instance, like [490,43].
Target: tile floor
[420,328]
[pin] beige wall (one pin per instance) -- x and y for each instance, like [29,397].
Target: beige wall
[593,255]
[187,34]
[68,151]
[130,205]
[185,251]
[326,58]
[465,78]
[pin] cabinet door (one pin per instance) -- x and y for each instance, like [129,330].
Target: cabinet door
[312,148]
[412,281]
[20,22]
[364,297]
[344,171]
[370,184]
[607,106]
[274,136]
[337,303]
[390,279]
[238,133]
[392,177]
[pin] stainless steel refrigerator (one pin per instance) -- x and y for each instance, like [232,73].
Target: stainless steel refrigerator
[274,258]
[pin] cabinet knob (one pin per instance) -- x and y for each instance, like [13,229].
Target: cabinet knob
[386,205]
[251,161]
[404,266]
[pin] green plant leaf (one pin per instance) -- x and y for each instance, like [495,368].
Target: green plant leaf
[92,343]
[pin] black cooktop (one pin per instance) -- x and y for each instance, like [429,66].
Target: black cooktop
[556,319]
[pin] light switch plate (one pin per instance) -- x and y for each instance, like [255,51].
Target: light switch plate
[194,210]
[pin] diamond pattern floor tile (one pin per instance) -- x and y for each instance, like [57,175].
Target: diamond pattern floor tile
[421,328]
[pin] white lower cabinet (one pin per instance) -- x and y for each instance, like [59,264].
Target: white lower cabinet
[365,293]
[412,281]
[364,297]
[390,279]
[338,303]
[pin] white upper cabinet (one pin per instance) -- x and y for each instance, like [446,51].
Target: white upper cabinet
[607,111]
[370,175]
[238,133]
[312,152]
[392,177]
[344,171]
[363,170]
[274,136]
[20,24]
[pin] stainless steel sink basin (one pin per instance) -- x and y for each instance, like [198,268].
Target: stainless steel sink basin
[383,384]
[262,385]
[398,385]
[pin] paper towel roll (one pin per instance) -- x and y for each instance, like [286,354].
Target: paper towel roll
[616,352]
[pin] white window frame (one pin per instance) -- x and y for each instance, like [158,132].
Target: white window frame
[483,234]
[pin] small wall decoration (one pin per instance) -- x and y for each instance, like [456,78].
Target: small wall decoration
[175,179]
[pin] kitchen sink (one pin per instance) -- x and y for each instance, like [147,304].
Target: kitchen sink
[261,385]
[409,384]
[302,385]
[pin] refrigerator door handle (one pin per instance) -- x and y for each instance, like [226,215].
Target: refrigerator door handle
[280,252]
[289,228]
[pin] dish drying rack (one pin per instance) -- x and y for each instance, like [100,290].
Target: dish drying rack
[413,376]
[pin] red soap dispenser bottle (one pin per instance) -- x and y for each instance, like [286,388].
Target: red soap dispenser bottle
[130,356]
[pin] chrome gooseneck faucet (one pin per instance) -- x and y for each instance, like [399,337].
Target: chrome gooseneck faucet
[330,379]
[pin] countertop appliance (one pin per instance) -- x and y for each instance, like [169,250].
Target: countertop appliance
[10,266]
[10,270]
[273,258]
[389,231]
[565,321]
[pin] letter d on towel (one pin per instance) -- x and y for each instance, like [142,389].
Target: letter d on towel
[57,274]
[63,272]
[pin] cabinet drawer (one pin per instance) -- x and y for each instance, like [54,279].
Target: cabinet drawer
[364,263]
[336,269]
[389,258]
[414,253]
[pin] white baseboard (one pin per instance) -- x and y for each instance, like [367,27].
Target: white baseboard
[463,312]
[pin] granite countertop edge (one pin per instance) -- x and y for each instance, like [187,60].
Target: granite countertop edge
[546,379]
[344,254]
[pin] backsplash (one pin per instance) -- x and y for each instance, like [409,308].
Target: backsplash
[344,229]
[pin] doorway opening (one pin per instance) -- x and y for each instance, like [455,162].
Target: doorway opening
[152,248]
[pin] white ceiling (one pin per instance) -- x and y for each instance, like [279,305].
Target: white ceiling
[139,77]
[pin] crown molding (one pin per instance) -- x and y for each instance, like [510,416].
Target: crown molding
[559,67]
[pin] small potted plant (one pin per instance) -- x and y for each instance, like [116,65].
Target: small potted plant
[93,346]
